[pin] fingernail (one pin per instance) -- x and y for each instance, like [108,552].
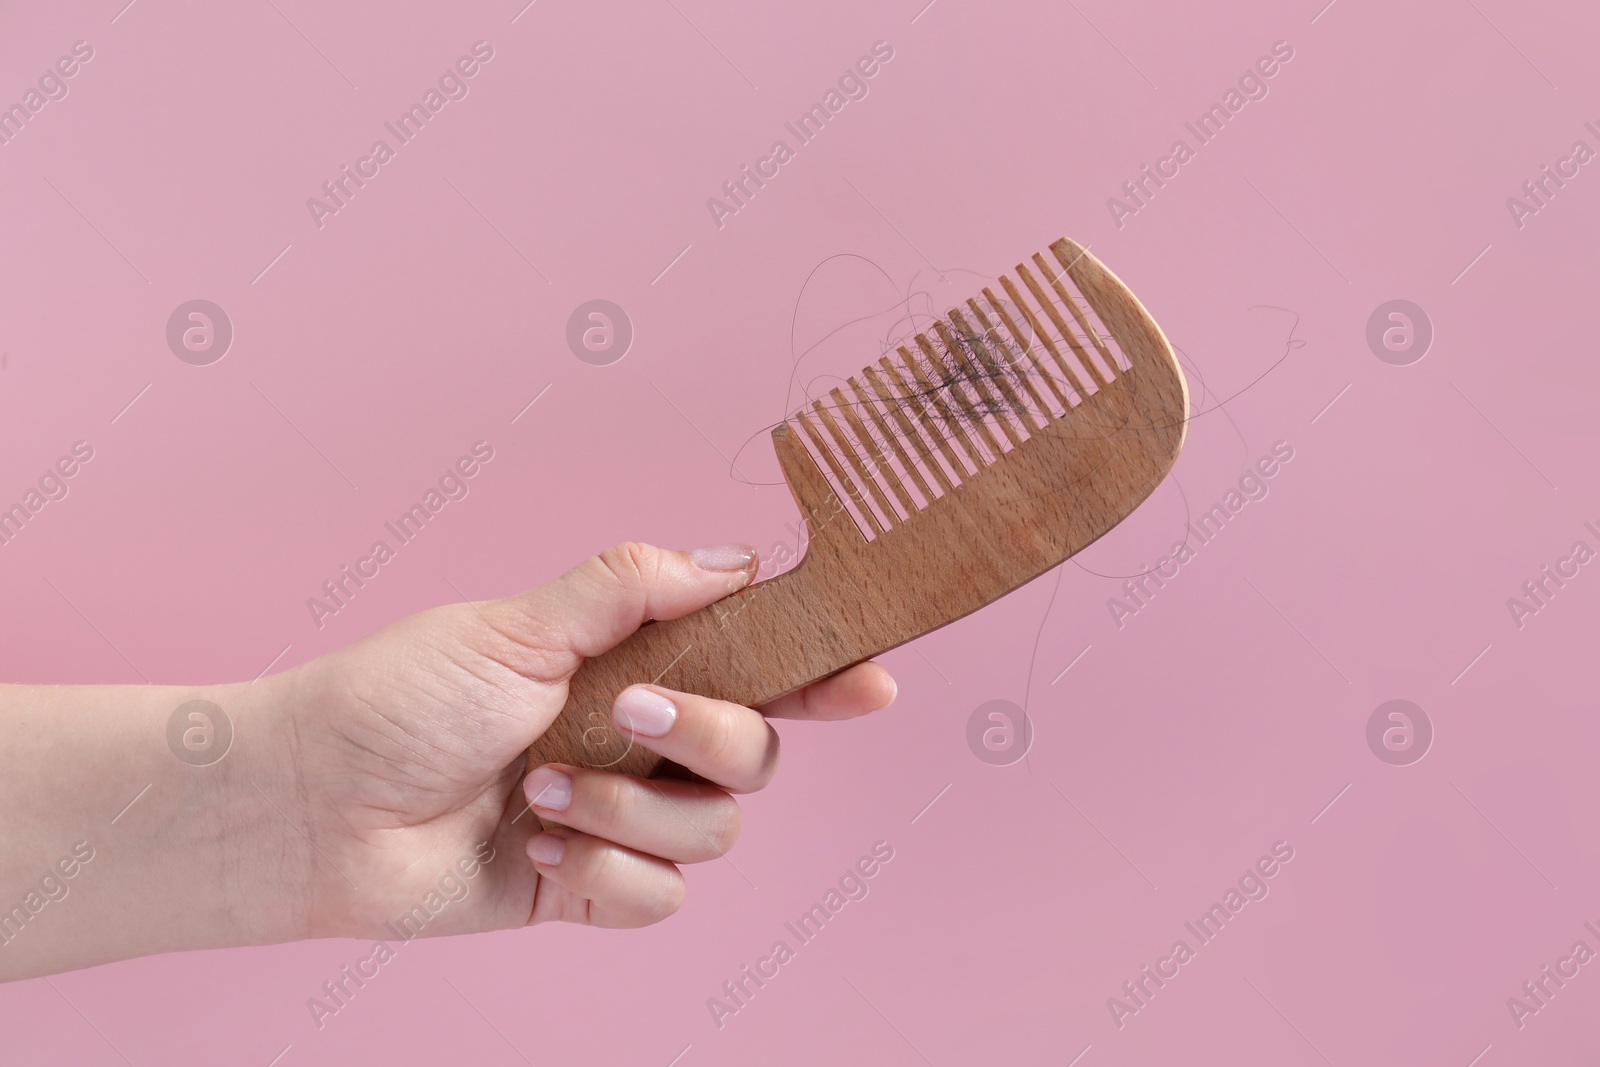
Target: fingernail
[894,691]
[724,558]
[645,713]
[548,788]
[546,849]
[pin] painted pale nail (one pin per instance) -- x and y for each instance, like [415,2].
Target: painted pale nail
[645,713]
[724,558]
[548,788]
[546,849]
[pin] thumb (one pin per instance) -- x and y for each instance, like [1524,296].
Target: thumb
[602,600]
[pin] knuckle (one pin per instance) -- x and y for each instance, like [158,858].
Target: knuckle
[611,804]
[665,904]
[596,864]
[630,564]
[720,740]
[725,824]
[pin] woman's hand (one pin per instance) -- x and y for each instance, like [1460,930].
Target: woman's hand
[406,750]
[374,792]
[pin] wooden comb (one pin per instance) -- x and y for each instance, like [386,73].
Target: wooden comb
[1017,431]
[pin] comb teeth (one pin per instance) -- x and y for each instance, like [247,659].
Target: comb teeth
[925,419]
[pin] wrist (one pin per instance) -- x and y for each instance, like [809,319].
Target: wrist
[252,815]
[215,850]
[159,797]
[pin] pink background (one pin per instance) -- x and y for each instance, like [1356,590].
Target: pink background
[1222,718]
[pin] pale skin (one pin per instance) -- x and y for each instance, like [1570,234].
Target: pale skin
[356,782]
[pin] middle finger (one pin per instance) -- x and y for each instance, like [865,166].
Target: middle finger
[729,744]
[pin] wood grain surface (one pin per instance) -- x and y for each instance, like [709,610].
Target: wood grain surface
[1018,430]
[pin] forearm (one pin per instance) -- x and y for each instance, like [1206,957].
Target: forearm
[116,843]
